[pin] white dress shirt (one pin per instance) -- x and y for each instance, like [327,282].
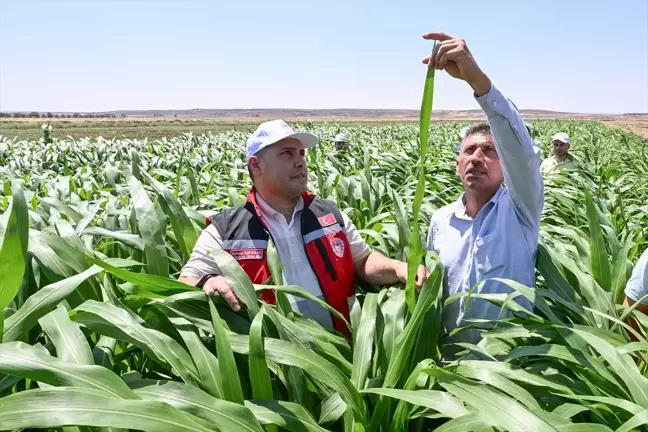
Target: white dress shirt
[292,253]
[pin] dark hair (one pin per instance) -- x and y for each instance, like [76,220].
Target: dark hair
[258,154]
[477,129]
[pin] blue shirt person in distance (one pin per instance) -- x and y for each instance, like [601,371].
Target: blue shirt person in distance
[492,230]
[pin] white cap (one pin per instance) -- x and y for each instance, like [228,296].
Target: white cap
[273,131]
[463,131]
[562,137]
[341,137]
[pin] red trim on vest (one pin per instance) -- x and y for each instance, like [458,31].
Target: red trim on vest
[335,271]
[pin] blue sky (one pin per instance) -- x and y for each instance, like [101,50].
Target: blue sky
[93,55]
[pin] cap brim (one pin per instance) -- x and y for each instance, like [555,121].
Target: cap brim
[308,140]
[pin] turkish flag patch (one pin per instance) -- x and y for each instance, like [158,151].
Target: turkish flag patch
[327,220]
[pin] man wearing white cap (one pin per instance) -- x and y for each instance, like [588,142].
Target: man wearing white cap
[561,159]
[318,246]
[341,142]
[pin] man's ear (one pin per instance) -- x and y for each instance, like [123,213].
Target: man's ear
[254,165]
[457,167]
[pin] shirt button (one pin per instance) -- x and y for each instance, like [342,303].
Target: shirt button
[494,103]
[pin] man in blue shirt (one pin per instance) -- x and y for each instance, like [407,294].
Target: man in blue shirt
[637,288]
[492,230]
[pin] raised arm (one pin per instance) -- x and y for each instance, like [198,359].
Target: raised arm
[519,156]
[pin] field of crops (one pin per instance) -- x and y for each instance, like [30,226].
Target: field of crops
[97,335]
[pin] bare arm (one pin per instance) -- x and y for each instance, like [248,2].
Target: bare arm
[377,269]
[641,307]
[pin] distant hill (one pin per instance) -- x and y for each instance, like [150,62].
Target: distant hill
[340,114]
[351,114]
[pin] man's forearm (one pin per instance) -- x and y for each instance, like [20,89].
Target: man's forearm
[481,85]
[189,280]
[377,269]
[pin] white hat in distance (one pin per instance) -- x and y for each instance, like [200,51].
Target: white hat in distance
[562,137]
[463,132]
[273,131]
[341,137]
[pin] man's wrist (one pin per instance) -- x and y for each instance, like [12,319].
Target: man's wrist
[204,278]
[481,85]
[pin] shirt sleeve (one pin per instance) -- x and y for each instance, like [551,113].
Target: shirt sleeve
[430,237]
[359,249]
[519,155]
[637,286]
[201,261]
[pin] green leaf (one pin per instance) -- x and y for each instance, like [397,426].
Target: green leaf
[45,300]
[290,354]
[71,345]
[501,410]
[238,280]
[232,390]
[363,348]
[225,415]
[442,402]
[13,252]
[109,320]
[289,416]
[259,372]
[151,228]
[20,359]
[61,406]
[598,251]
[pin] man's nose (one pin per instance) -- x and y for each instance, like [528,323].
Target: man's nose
[478,154]
[300,161]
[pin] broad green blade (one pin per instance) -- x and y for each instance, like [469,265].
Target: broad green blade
[639,419]
[130,240]
[20,359]
[622,365]
[600,260]
[152,283]
[501,410]
[13,252]
[331,409]
[474,421]
[238,280]
[301,292]
[151,228]
[61,406]
[222,414]
[206,362]
[291,354]
[47,298]
[184,230]
[363,349]
[440,401]
[393,310]
[259,372]
[231,383]
[289,416]
[71,345]
[109,320]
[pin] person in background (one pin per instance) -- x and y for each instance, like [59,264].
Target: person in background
[341,142]
[637,289]
[560,159]
[319,247]
[491,231]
